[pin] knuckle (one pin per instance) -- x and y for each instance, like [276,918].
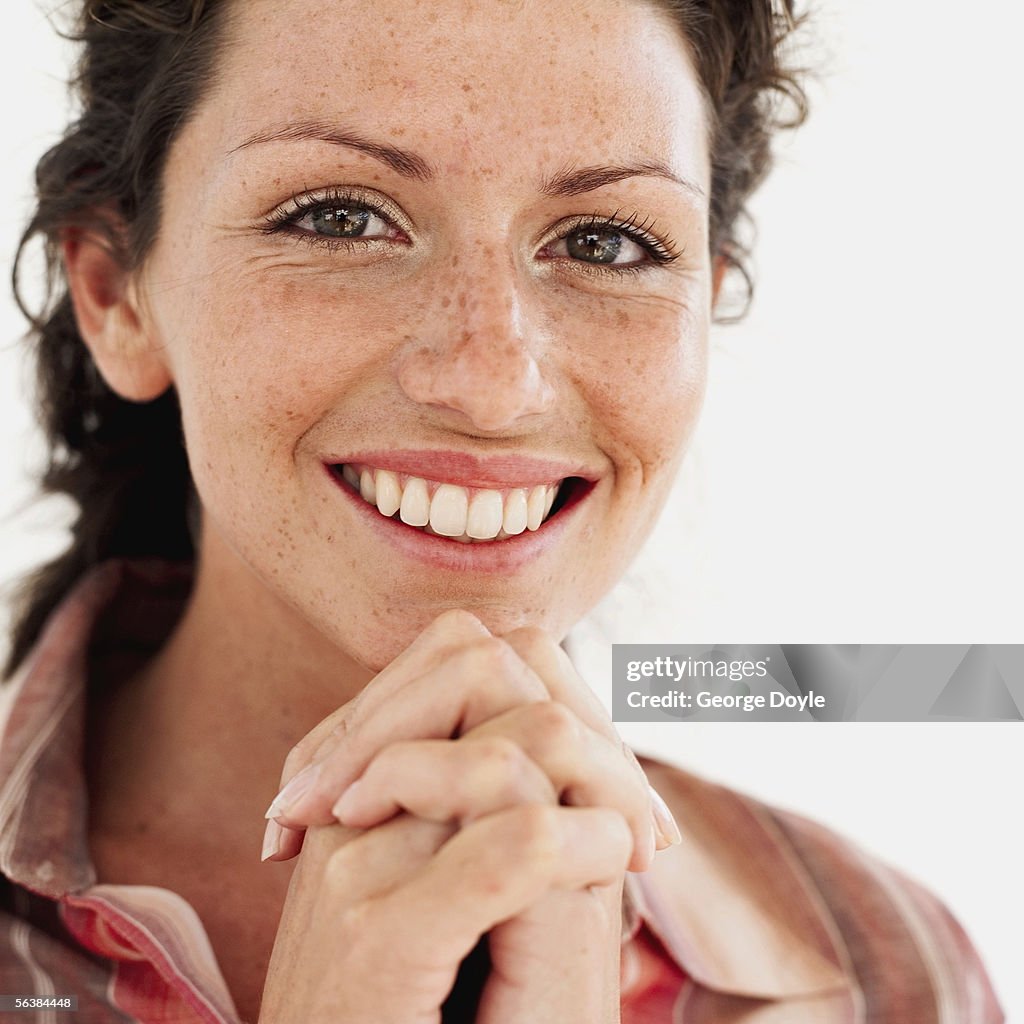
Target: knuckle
[619,837]
[498,753]
[341,867]
[530,639]
[493,655]
[499,766]
[553,725]
[538,836]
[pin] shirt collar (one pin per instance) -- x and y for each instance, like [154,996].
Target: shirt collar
[729,903]
[43,794]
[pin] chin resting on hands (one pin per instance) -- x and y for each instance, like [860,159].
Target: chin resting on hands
[481,791]
[464,724]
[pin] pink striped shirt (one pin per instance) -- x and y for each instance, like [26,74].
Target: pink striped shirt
[759,916]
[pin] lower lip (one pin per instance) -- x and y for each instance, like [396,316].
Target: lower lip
[499,556]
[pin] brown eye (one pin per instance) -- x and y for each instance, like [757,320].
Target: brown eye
[347,221]
[603,245]
[594,246]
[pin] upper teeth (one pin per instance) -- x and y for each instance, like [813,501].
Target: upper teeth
[450,510]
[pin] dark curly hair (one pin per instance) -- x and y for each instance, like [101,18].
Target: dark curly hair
[143,66]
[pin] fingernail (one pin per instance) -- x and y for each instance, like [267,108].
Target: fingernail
[664,823]
[346,803]
[272,839]
[293,792]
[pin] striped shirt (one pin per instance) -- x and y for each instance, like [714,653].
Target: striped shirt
[759,916]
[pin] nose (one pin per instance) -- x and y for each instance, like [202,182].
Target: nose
[480,355]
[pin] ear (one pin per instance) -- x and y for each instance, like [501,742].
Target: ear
[110,319]
[719,266]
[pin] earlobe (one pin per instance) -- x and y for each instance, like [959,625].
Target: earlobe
[110,319]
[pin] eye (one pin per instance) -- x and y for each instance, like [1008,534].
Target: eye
[348,220]
[336,219]
[600,245]
[604,244]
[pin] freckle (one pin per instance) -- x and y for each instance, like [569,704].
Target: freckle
[446,302]
[462,302]
[466,87]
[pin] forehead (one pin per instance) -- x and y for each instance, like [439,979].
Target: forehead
[491,87]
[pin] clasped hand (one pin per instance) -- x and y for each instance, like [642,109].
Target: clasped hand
[475,786]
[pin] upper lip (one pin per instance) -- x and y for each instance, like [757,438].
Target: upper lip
[468,470]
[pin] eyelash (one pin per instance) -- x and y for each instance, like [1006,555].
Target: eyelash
[661,252]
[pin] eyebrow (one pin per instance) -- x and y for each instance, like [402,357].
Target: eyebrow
[570,181]
[574,180]
[405,162]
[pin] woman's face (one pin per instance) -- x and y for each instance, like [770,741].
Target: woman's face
[383,244]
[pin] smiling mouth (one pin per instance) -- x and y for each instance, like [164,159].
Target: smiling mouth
[468,515]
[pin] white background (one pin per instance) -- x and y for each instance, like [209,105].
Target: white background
[857,472]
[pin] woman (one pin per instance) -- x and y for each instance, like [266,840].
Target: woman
[394,320]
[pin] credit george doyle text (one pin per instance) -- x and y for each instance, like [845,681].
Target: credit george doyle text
[817,682]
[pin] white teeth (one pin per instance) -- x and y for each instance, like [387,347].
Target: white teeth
[515,512]
[550,499]
[454,512]
[415,507]
[367,488]
[389,494]
[486,514]
[448,510]
[535,507]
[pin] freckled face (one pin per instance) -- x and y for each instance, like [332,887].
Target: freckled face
[315,298]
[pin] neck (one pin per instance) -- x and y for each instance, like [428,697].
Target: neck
[202,732]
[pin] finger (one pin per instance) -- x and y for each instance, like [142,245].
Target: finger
[497,867]
[280,843]
[563,953]
[585,768]
[441,780]
[448,631]
[476,682]
[374,862]
[555,669]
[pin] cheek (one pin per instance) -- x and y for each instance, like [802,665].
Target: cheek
[264,360]
[647,376]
